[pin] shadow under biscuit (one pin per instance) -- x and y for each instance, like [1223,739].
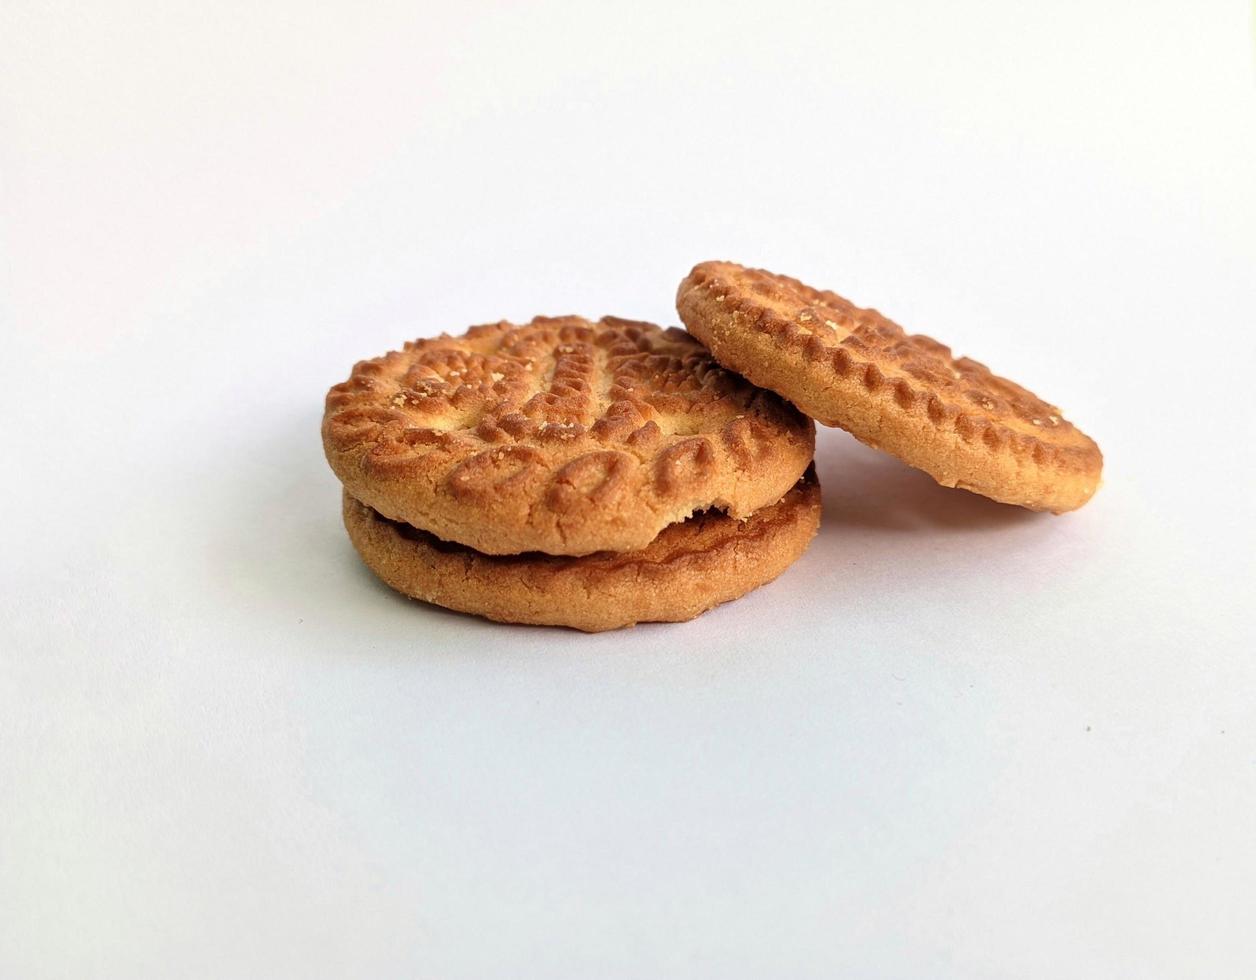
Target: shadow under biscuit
[288,554]
[284,549]
[869,489]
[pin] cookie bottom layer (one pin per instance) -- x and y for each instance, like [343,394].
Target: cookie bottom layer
[689,568]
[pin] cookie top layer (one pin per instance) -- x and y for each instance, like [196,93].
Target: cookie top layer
[903,393]
[560,435]
[689,568]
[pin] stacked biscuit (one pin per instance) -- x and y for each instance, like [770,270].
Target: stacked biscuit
[566,472]
[600,474]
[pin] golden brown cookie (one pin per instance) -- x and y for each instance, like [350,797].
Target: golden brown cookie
[562,436]
[689,568]
[900,392]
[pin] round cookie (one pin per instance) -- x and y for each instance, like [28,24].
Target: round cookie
[561,435]
[903,393]
[689,568]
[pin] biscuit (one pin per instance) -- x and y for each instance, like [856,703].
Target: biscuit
[562,436]
[903,393]
[689,568]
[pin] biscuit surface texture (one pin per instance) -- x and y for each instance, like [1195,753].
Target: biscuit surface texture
[903,393]
[689,568]
[562,435]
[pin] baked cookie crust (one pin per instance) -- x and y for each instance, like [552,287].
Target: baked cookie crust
[903,393]
[560,435]
[688,568]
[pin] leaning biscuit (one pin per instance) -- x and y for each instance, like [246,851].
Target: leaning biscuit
[689,568]
[903,393]
[561,435]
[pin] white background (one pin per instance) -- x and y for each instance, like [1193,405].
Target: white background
[955,740]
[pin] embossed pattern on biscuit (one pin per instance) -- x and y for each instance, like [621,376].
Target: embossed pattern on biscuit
[561,435]
[905,393]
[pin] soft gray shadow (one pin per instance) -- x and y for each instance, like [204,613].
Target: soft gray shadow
[282,550]
[285,553]
[867,488]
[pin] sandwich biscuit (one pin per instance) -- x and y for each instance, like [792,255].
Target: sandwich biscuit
[562,436]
